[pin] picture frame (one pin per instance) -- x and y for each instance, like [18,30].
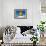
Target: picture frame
[20,13]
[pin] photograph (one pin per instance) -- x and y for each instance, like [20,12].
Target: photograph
[20,13]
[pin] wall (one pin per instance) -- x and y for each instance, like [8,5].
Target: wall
[36,12]
[0,11]
[33,12]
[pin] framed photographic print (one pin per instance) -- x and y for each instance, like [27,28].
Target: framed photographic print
[20,13]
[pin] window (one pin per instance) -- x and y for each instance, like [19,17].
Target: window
[43,6]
